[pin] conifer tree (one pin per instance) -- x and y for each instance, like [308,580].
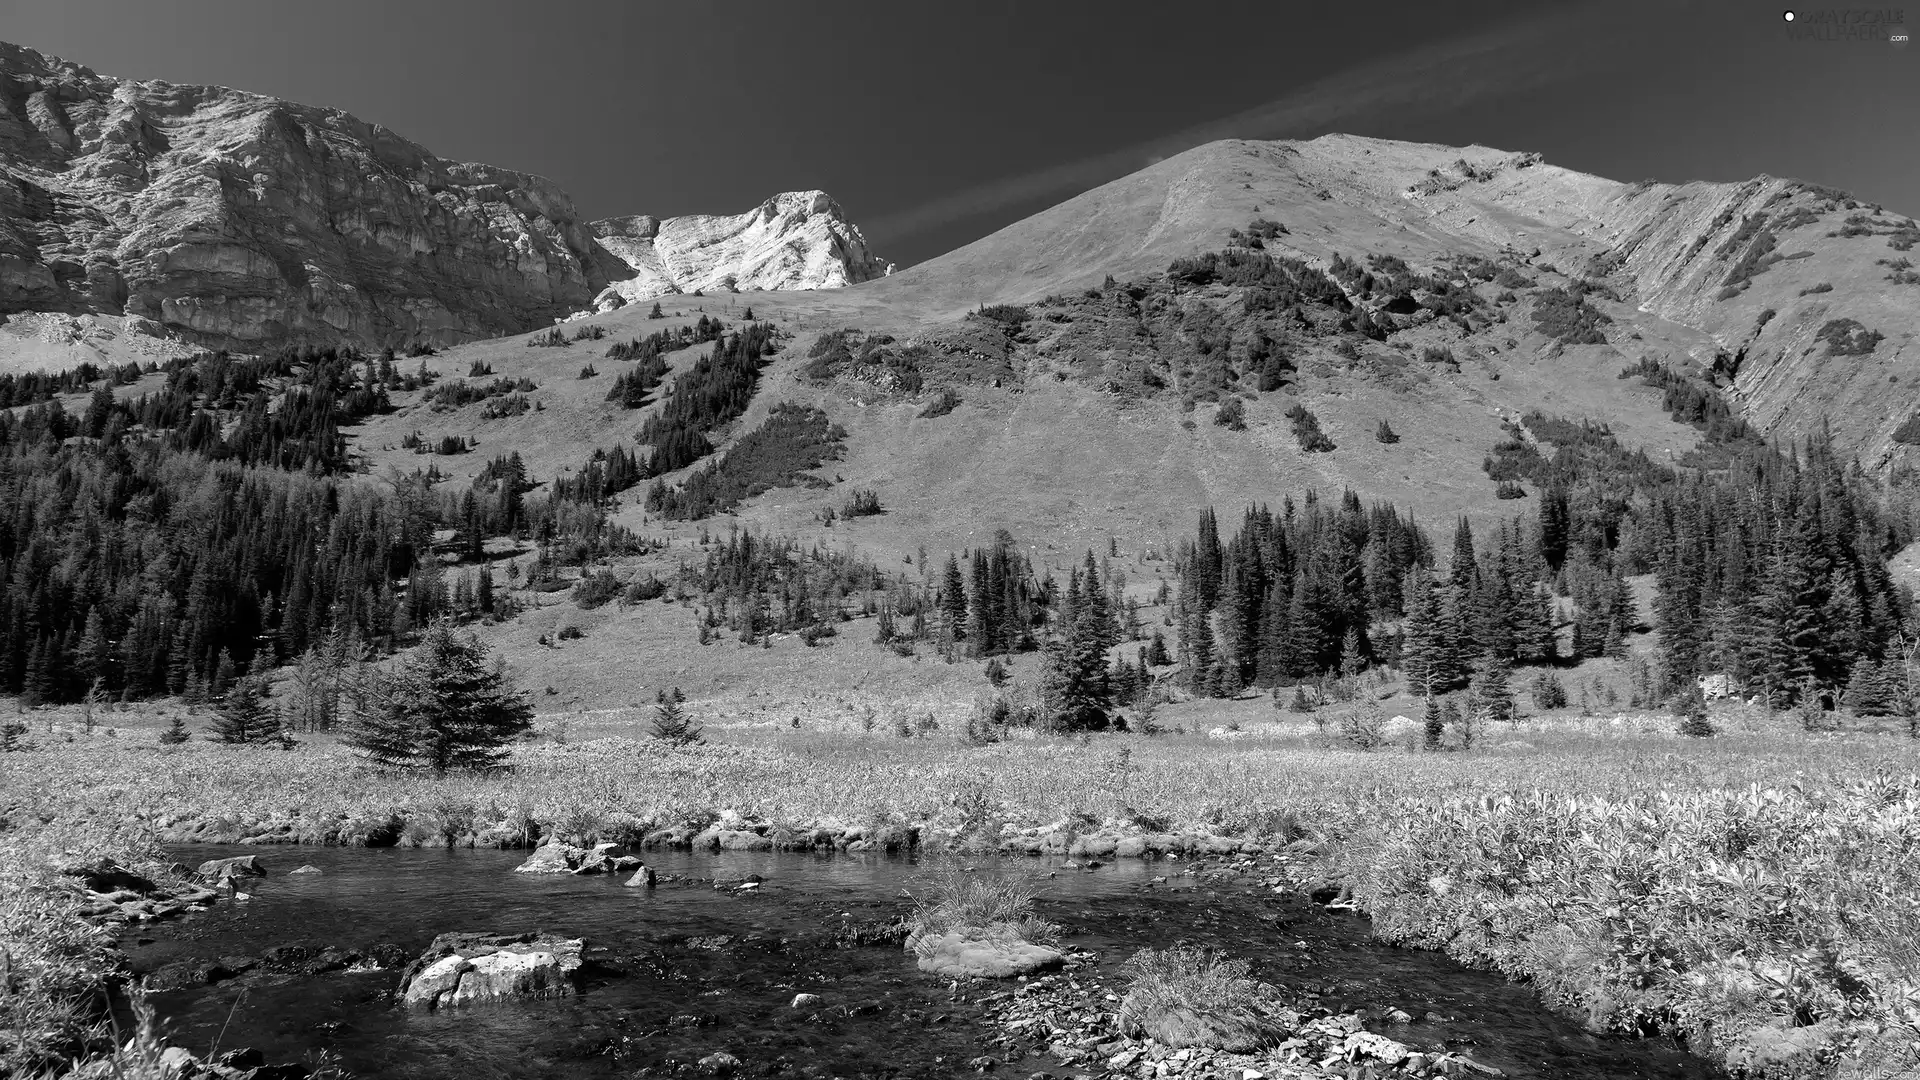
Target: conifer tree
[445,708]
[175,733]
[1492,696]
[246,715]
[1435,725]
[1693,721]
[672,724]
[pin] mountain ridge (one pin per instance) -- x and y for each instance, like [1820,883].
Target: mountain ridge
[238,220]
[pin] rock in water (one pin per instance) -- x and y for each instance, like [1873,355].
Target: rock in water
[238,866]
[596,861]
[642,878]
[981,956]
[307,869]
[464,969]
[552,858]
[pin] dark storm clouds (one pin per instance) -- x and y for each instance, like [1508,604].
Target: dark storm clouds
[936,125]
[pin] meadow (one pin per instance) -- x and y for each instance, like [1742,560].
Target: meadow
[1758,891]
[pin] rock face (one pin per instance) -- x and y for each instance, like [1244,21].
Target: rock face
[236,220]
[463,969]
[796,240]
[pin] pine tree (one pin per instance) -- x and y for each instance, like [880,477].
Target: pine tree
[1435,726]
[1693,721]
[444,709]
[672,724]
[246,715]
[1491,694]
[175,733]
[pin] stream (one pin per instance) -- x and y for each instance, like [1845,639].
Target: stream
[684,970]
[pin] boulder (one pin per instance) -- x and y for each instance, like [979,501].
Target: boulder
[643,878]
[552,858]
[986,954]
[465,969]
[307,869]
[237,866]
[596,861]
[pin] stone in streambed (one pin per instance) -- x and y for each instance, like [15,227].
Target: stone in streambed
[307,869]
[237,866]
[463,969]
[643,878]
[981,955]
[552,858]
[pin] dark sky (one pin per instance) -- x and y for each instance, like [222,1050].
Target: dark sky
[936,128]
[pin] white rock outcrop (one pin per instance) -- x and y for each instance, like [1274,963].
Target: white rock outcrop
[795,240]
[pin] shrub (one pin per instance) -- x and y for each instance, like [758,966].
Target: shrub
[595,589]
[1013,315]
[1306,430]
[943,403]
[1193,997]
[1231,415]
[1508,489]
[1363,726]
[1847,337]
[646,588]
[1811,290]
[479,369]
[590,333]
[1566,317]
[1385,434]
[551,339]
[778,453]
[953,901]
[589,371]
[863,503]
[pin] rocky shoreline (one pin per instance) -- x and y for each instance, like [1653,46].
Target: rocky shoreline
[729,831]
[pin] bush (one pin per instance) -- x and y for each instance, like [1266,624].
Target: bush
[596,589]
[1566,317]
[640,590]
[863,503]
[778,453]
[1231,415]
[590,333]
[589,371]
[1508,489]
[1847,337]
[551,339]
[1013,315]
[1192,997]
[1385,434]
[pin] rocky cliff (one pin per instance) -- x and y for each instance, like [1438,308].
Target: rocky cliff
[236,220]
[796,240]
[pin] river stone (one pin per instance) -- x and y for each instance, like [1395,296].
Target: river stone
[552,858]
[970,953]
[237,866]
[1365,1044]
[307,869]
[642,878]
[596,861]
[462,969]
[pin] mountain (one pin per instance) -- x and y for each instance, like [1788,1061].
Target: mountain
[1759,278]
[795,240]
[235,220]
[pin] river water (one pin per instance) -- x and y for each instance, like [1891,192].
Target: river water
[687,969]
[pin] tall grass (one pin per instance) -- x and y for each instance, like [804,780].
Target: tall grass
[1196,997]
[1758,892]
